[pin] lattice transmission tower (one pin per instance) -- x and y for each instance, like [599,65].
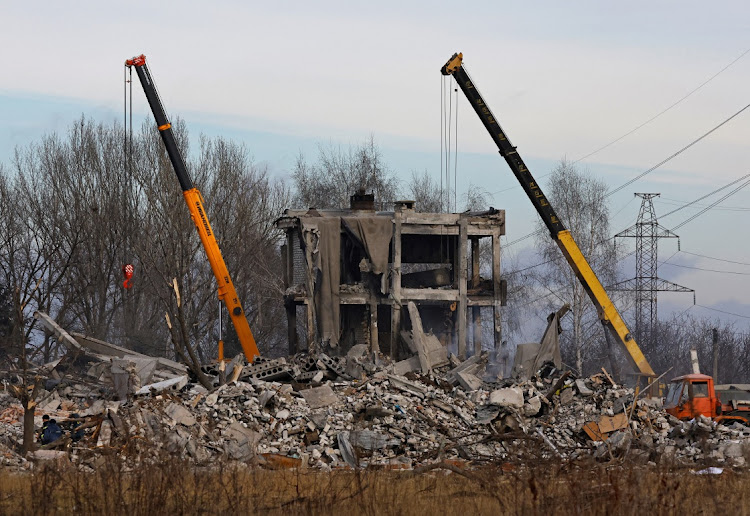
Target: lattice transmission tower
[647,231]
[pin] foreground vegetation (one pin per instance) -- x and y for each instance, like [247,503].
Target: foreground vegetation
[539,488]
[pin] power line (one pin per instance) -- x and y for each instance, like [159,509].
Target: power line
[675,202]
[664,110]
[642,174]
[724,312]
[706,270]
[647,121]
[686,147]
[610,238]
[707,195]
[704,210]
[717,259]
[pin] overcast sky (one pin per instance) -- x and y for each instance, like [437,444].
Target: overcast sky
[563,78]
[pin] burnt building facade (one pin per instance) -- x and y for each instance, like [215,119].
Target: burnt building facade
[351,274]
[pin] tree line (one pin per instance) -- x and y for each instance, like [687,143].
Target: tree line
[75,208]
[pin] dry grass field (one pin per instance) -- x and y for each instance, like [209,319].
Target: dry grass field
[174,487]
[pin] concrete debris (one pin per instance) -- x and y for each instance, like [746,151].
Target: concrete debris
[468,381]
[319,397]
[511,397]
[407,366]
[320,411]
[180,414]
[473,365]
[173,384]
[582,389]
[50,454]
[429,350]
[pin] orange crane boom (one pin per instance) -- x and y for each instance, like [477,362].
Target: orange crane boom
[194,200]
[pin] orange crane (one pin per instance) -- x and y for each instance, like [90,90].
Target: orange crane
[194,200]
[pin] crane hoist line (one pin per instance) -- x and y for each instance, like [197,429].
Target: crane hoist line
[608,314]
[194,200]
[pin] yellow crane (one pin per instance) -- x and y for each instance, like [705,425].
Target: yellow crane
[608,314]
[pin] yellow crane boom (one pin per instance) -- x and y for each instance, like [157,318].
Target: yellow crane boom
[608,314]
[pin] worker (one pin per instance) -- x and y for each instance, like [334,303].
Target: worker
[51,431]
[45,422]
[76,433]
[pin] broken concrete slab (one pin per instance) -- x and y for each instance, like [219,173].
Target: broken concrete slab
[508,397]
[468,381]
[370,440]
[180,414]
[144,367]
[103,348]
[487,413]
[173,384]
[469,365]
[243,442]
[532,406]
[582,389]
[319,397]
[346,448]
[431,353]
[49,455]
[358,351]
[403,384]
[566,396]
[62,336]
[407,366]
[733,450]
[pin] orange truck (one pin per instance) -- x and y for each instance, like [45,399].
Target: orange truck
[694,395]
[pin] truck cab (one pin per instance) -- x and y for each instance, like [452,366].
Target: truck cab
[692,395]
[695,395]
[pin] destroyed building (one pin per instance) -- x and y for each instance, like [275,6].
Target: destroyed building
[351,274]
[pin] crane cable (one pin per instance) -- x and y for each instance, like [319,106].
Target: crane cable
[448,144]
[127,267]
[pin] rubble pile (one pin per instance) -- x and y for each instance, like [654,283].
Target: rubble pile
[362,411]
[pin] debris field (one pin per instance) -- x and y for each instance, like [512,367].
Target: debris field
[355,411]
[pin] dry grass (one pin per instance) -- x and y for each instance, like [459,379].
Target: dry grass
[174,487]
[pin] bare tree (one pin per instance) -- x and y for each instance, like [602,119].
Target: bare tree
[39,253]
[679,334]
[76,208]
[244,202]
[476,198]
[338,173]
[578,199]
[6,317]
[426,193]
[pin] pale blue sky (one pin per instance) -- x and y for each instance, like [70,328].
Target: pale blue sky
[563,78]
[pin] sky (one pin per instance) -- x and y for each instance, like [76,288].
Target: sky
[563,78]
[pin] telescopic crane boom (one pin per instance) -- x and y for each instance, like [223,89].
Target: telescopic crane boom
[194,200]
[608,314]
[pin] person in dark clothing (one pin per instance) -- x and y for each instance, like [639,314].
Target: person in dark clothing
[45,422]
[75,433]
[51,432]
